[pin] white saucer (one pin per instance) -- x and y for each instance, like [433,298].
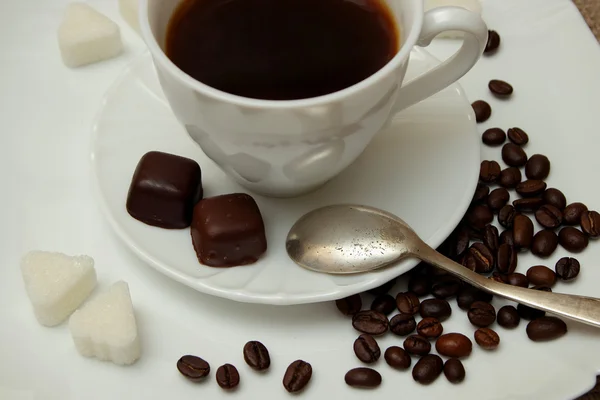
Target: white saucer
[423,168]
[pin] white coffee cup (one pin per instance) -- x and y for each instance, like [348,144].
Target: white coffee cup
[287,148]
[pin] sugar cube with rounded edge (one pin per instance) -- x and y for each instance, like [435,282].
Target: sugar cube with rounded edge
[129,12]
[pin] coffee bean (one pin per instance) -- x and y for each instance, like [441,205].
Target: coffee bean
[513,155]
[490,237]
[549,216]
[484,259]
[383,289]
[468,261]
[489,171]
[546,328]
[500,88]
[481,193]
[384,303]
[349,305]
[531,188]
[541,275]
[487,338]
[518,136]
[572,213]
[481,314]
[529,313]
[528,204]
[507,259]
[228,376]
[517,279]
[482,110]
[454,345]
[192,367]
[567,268]
[510,177]
[506,216]
[556,198]
[572,239]
[498,199]
[537,167]
[544,243]
[523,231]
[506,237]
[497,277]
[459,241]
[493,42]
[408,303]
[363,378]
[397,357]
[366,349]
[430,327]
[542,288]
[454,370]
[371,322]
[436,308]
[445,287]
[416,344]
[493,137]
[508,317]
[468,295]
[256,355]
[427,369]
[475,234]
[402,324]
[590,223]
[419,285]
[297,376]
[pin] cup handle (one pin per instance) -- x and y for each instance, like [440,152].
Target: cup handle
[435,22]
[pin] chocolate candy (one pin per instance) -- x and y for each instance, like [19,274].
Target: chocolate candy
[228,230]
[164,190]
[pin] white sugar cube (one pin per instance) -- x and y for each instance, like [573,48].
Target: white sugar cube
[57,284]
[105,327]
[85,36]
[129,12]
[471,5]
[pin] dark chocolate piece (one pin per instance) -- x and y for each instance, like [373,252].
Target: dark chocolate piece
[228,230]
[164,190]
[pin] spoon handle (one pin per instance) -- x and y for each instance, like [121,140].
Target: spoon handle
[578,308]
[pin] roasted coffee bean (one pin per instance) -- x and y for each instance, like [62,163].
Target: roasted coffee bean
[403,324]
[454,370]
[487,338]
[468,261]
[445,287]
[427,369]
[419,285]
[517,279]
[549,216]
[475,234]
[436,308]
[507,259]
[572,239]
[430,327]
[513,155]
[481,314]
[228,376]
[493,137]
[506,237]
[590,223]
[510,177]
[497,277]
[454,345]
[468,295]
[384,303]
[542,288]
[349,305]
[500,88]
[397,357]
[572,213]
[490,237]
[493,42]
[484,259]
[531,188]
[546,328]
[482,110]
[256,355]
[363,378]
[489,171]
[498,199]
[366,349]
[537,167]
[297,376]
[541,275]
[508,317]
[544,243]
[481,193]
[518,136]
[556,198]
[192,367]
[506,216]
[567,268]
[407,303]
[529,313]
[383,289]
[523,231]
[528,204]
[416,344]
[459,242]
[371,322]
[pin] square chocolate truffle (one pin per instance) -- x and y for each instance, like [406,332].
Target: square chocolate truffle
[228,230]
[164,190]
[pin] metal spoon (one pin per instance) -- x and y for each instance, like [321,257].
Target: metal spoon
[347,239]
